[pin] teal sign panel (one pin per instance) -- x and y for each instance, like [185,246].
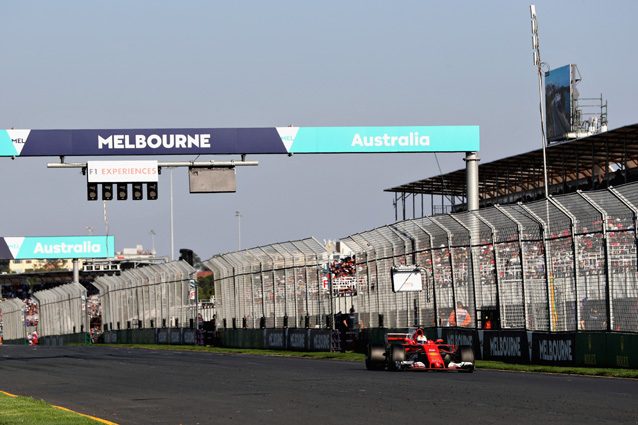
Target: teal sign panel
[56,247]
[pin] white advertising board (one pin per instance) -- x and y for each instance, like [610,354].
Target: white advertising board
[406,279]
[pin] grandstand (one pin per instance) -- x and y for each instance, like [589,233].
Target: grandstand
[594,162]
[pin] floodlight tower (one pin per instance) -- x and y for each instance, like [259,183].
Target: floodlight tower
[538,64]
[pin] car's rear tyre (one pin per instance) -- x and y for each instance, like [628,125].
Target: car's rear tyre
[375,357]
[397,355]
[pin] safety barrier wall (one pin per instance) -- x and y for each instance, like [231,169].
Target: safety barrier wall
[567,263]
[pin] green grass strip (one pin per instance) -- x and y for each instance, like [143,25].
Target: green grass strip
[356,357]
[571,370]
[26,410]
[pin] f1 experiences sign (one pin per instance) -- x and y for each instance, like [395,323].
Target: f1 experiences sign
[122,171]
[56,247]
[213,141]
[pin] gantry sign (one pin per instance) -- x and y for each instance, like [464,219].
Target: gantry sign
[221,141]
[205,177]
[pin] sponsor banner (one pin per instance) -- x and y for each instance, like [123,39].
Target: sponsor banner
[56,247]
[298,339]
[591,349]
[320,340]
[189,336]
[216,141]
[122,171]
[175,336]
[508,346]
[460,336]
[162,336]
[554,349]
[622,350]
[275,339]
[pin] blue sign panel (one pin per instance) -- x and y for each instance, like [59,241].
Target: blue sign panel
[223,141]
[56,247]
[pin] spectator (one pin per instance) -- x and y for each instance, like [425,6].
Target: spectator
[462,314]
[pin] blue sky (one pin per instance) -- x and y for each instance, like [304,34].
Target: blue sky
[167,64]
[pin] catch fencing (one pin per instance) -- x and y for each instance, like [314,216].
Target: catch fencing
[62,310]
[562,264]
[279,285]
[14,322]
[162,295]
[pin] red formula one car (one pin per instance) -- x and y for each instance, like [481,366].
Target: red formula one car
[413,351]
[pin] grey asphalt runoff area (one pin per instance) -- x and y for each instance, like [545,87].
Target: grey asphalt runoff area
[137,386]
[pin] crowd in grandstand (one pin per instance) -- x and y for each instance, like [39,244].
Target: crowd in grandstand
[344,267]
[31,316]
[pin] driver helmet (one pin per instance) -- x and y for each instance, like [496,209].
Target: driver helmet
[421,339]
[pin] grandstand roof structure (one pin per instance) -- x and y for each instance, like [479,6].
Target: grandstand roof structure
[609,158]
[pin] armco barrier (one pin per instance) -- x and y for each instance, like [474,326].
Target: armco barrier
[505,346]
[554,348]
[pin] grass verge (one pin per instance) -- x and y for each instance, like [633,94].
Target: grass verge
[356,357]
[571,370]
[26,410]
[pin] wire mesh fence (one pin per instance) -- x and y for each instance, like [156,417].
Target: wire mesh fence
[562,264]
[63,310]
[161,295]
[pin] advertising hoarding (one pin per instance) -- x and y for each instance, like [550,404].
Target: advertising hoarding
[558,102]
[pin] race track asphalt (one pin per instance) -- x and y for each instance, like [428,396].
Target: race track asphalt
[135,386]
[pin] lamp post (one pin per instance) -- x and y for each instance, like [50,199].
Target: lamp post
[172,228]
[152,233]
[238,215]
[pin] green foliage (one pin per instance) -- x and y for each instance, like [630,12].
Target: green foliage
[206,289]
